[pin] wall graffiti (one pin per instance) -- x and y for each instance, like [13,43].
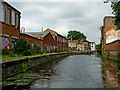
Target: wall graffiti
[5,43]
[112,35]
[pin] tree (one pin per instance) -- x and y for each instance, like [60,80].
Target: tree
[115,4]
[76,35]
[99,46]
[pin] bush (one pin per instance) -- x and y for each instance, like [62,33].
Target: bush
[23,47]
[99,48]
[5,51]
[107,52]
[56,50]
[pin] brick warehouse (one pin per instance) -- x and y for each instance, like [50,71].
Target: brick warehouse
[62,42]
[110,38]
[49,44]
[32,39]
[10,25]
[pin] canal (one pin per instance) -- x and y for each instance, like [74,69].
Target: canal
[82,71]
[76,71]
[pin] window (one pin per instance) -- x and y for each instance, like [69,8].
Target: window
[17,20]
[14,42]
[2,13]
[85,45]
[80,45]
[13,17]
[8,16]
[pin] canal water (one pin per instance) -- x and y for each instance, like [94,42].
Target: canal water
[77,71]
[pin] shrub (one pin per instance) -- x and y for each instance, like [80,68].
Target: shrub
[5,51]
[107,52]
[23,47]
[55,49]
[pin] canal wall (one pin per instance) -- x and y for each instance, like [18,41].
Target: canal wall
[115,55]
[11,68]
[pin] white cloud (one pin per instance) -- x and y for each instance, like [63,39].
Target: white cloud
[85,16]
[55,0]
[62,30]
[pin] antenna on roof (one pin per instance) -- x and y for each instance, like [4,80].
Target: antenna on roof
[42,29]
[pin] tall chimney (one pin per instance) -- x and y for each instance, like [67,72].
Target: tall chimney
[23,30]
[71,38]
[42,29]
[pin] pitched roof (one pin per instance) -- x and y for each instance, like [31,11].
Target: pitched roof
[38,34]
[55,32]
[3,1]
[52,31]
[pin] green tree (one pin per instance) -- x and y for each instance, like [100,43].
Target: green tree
[76,35]
[115,4]
[23,47]
[99,46]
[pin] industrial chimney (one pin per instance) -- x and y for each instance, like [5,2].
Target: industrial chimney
[23,30]
[42,29]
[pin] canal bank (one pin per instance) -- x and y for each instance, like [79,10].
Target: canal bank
[16,66]
[12,68]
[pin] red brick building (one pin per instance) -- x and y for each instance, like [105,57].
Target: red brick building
[49,44]
[32,39]
[9,25]
[110,37]
[62,42]
[83,45]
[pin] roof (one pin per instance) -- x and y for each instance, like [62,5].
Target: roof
[38,34]
[55,32]
[30,35]
[65,37]
[109,17]
[11,6]
[76,41]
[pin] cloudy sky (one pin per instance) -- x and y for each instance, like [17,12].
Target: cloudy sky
[62,16]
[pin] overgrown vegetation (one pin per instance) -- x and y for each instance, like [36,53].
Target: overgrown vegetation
[99,46]
[22,48]
[107,52]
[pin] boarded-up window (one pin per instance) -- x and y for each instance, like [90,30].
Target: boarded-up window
[2,11]
[8,16]
[13,17]
[17,20]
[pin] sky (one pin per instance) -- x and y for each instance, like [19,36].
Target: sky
[62,16]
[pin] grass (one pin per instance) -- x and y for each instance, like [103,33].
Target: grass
[13,56]
[111,58]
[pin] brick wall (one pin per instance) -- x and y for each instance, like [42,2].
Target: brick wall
[61,45]
[114,46]
[49,43]
[10,30]
[31,39]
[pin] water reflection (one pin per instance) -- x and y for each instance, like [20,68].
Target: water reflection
[77,71]
[111,73]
